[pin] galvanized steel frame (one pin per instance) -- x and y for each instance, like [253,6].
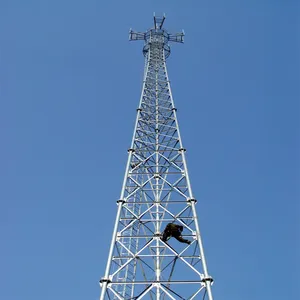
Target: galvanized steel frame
[156,190]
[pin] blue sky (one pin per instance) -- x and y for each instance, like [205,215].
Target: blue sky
[69,85]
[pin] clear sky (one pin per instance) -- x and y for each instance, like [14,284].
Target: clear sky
[69,85]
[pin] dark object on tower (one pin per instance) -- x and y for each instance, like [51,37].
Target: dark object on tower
[174,230]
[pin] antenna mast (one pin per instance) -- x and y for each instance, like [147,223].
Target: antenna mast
[145,260]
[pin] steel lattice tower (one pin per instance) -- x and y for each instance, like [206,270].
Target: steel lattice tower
[156,191]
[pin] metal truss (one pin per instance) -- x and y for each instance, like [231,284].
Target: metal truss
[156,191]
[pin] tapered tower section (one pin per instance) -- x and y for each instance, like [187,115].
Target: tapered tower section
[142,262]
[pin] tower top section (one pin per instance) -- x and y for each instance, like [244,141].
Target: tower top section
[157,37]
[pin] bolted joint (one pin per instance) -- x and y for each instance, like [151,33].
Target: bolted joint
[131,150]
[191,200]
[181,149]
[121,201]
[157,234]
[174,109]
[102,280]
[208,279]
[139,109]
